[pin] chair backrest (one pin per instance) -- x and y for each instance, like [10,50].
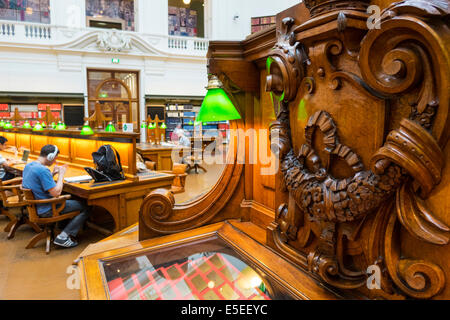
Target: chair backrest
[31,207]
[3,194]
[7,192]
[57,204]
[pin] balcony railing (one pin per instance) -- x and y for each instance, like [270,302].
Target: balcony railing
[22,33]
[188,44]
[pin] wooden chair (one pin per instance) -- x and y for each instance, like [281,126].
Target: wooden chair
[47,232]
[179,170]
[150,165]
[194,161]
[12,197]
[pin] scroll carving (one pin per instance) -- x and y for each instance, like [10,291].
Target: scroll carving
[159,215]
[391,193]
[157,207]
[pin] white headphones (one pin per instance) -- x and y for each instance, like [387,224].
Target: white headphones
[52,156]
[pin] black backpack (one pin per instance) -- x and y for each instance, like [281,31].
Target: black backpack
[109,167]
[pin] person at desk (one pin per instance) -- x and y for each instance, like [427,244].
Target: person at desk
[38,178]
[5,164]
[175,136]
[184,140]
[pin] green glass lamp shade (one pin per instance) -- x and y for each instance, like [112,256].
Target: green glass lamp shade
[110,128]
[60,126]
[8,125]
[27,125]
[38,127]
[143,125]
[87,130]
[44,125]
[217,106]
[191,123]
[53,125]
[163,126]
[152,126]
[2,123]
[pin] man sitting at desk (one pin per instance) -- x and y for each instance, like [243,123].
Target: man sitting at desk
[5,164]
[38,178]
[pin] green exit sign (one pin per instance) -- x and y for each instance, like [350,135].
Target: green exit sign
[116,60]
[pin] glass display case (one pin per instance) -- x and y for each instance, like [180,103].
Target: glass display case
[216,262]
[203,270]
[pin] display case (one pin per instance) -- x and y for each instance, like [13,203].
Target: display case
[217,262]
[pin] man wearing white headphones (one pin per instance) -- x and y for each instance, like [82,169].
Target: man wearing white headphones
[38,178]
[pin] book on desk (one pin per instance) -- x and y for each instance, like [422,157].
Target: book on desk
[78,179]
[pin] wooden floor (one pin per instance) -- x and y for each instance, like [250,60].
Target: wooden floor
[201,183]
[32,275]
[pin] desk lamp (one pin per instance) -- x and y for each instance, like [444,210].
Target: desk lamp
[38,127]
[87,130]
[217,106]
[110,127]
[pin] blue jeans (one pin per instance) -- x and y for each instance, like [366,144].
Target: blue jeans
[75,225]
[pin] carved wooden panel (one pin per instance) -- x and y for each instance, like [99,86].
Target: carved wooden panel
[361,132]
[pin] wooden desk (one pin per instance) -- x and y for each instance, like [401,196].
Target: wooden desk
[161,155]
[121,199]
[202,142]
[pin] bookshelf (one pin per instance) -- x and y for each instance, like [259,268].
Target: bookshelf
[262,23]
[186,115]
[30,112]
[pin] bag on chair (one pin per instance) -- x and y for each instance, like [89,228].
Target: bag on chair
[108,165]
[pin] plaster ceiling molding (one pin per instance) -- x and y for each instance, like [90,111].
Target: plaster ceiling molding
[113,41]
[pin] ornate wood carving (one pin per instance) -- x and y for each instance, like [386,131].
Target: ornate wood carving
[350,200]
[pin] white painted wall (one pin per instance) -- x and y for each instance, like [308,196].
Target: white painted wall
[58,65]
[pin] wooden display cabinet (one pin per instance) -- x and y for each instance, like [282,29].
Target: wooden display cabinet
[175,267]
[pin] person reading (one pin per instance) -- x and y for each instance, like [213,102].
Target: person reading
[38,178]
[5,164]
